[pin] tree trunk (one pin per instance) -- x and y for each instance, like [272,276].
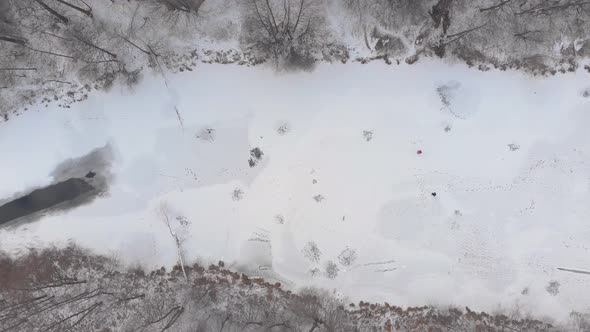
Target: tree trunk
[13,40]
[536,10]
[134,45]
[87,12]
[180,258]
[53,12]
[481,10]
[13,68]
[96,47]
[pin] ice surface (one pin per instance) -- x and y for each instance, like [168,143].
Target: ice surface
[503,220]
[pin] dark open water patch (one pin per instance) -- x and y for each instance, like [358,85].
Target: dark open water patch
[76,182]
[43,198]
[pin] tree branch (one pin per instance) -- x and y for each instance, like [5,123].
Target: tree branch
[86,311]
[139,48]
[274,23]
[15,69]
[223,324]
[51,53]
[277,325]
[173,319]
[298,16]
[252,323]
[524,35]
[94,46]
[573,270]
[270,33]
[462,34]
[102,61]
[545,10]
[57,81]
[481,10]
[14,40]
[56,36]
[164,317]
[87,12]
[53,12]
[140,296]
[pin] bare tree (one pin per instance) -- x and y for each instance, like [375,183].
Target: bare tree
[178,228]
[312,252]
[283,28]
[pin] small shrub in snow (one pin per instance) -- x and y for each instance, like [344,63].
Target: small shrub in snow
[443,92]
[190,173]
[132,77]
[182,220]
[283,129]
[319,198]
[347,257]
[206,134]
[388,44]
[259,237]
[513,147]
[279,219]
[331,270]
[312,252]
[237,195]
[553,287]
[446,94]
[256,155]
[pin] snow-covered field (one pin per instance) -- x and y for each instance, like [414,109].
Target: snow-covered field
[340,177]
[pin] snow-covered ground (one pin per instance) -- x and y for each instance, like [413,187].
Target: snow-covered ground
[507,155]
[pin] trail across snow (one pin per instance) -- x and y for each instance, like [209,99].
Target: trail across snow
[339,179]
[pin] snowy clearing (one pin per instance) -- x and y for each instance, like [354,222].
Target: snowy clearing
[317,177]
